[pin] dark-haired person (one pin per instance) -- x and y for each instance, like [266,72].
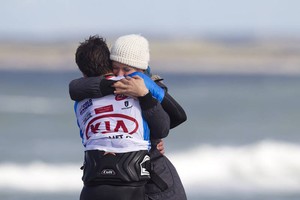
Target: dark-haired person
[129,55]
[115,131]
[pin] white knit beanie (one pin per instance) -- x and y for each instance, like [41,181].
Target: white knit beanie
[132,50]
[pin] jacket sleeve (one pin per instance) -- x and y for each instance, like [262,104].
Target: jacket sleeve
[172,107]
[175,111]
[91,87]
[158,120]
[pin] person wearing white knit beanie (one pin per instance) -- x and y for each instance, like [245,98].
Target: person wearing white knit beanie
[130,51]
[130,54]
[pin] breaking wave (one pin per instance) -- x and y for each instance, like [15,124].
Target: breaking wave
[263,167]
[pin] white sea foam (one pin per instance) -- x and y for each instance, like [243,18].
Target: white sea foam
[31,104]
[40,177]
[265,167]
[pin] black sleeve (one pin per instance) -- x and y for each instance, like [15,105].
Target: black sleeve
[91,87]
[175,111]
[158,120]
[171,106]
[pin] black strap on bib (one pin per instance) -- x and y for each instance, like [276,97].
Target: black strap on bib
[158,181]
[155,178]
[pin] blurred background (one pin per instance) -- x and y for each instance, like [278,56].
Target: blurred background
[233,65]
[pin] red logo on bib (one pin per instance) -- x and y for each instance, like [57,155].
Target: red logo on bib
[104,109]
[120,97]
[102,124]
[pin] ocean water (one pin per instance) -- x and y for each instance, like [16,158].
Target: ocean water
[241,140]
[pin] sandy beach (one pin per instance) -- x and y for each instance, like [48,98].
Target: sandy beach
[260,56]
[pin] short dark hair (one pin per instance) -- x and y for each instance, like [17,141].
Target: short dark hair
[92,57]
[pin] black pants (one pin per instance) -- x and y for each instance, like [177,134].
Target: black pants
[111,192]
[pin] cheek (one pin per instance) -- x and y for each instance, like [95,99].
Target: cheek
[116,71]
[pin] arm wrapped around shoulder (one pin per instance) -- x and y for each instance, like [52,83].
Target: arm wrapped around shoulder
[90,87]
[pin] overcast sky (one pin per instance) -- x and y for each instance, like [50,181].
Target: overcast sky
[62,18]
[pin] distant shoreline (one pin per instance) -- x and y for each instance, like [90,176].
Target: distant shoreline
[199,56]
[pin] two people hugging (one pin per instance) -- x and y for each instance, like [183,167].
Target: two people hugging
[122,115]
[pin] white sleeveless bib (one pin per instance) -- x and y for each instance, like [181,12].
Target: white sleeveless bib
[112,123]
